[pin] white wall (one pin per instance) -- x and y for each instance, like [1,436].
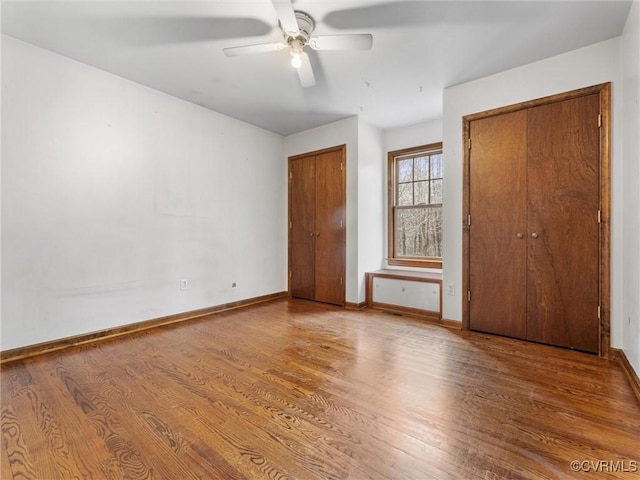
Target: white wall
[113,192]
[371,202]
[1,175]
[630,317]
[592,65]
[415,135]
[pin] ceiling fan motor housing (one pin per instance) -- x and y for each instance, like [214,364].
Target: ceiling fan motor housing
[306,25]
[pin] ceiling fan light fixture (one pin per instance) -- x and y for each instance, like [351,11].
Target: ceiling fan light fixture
[296,61]
[296,46]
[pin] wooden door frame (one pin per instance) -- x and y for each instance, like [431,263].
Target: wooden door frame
[343,158]
[604,90]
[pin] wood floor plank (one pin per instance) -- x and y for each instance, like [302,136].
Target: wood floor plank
[67,424]
[14,446]
[155,424]
[225,412]
[298,390]
[5,464]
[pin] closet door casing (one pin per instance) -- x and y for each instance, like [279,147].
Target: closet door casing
[534,237]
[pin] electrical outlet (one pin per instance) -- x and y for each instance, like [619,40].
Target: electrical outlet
[233,285]
[451,289]
[184,284]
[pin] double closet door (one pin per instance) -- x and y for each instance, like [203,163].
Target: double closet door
[534,223]
[317,233]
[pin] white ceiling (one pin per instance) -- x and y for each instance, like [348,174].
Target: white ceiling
[419,48]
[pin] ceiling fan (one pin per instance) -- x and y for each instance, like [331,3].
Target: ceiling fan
[297,28]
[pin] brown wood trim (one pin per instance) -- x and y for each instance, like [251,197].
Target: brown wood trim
[320,152]
[604,90]
[558,97]
[411,276]
[605,224]
[453,324]
[355,306]
[466,175]
[407,311]
[14,354]
[390,216]
[368,288]
[412,262]
[407,275]
[409,150]
[619,355]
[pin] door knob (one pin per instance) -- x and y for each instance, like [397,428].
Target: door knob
[519,235]
[317,234]
[534,235]
[311,234]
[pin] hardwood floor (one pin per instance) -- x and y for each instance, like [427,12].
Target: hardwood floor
[299,390]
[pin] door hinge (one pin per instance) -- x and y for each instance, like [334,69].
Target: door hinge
[469,144]
[290,224]
[341,280]
[468,295]
[468,220]
[598,312]
[599,120]
[599,216]
[290,175]
[290,275]
[341,166]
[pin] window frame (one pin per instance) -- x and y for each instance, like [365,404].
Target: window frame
[392,258]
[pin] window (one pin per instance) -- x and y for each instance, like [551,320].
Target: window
[415,206]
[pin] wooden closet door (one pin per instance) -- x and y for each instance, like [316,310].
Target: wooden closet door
[563,254]
[302,245]
[317,226]
[330,229]
[497,235]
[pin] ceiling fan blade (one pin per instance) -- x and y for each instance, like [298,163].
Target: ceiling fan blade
[287,17]
[251,49]
[358,41]
[305,72]
[162,30]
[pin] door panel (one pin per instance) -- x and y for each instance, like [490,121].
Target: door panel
[330,238]
[302,227]
[563,261]
[497,235]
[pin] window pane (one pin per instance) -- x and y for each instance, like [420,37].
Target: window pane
[436,191]
[405,170]
[419,232]
[420,193]
[421,168]
[436,166]
[405,194]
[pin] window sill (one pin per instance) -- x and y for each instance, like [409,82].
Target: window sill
[430,263]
